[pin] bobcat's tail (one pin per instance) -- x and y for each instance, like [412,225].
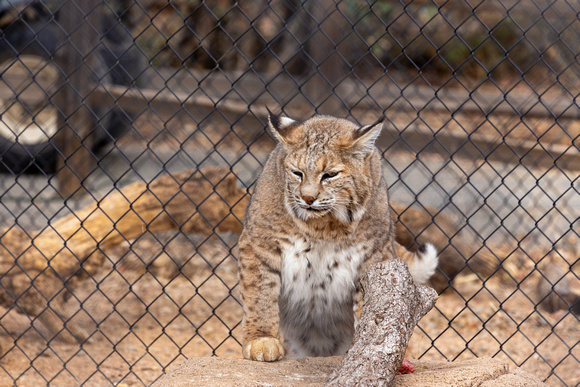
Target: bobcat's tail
[422,263]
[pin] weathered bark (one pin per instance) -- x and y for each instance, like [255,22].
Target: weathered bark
[393,305]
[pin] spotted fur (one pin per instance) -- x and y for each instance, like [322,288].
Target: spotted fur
[319,215]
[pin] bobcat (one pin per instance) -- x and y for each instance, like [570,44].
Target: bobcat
[318,217]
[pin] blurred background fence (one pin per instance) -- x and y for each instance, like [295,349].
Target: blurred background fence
[111,273]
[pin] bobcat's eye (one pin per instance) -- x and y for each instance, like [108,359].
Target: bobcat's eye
[328,175]
[298,174]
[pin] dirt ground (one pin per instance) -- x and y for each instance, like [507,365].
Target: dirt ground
[144,316]
[148,313]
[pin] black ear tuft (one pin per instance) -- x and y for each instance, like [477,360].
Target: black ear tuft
[368,128]
[365,137]
[273,119]
[282,128]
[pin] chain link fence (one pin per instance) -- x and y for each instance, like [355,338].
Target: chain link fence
[131,133]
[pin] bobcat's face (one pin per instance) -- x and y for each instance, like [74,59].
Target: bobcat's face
[326,167]
[319,186]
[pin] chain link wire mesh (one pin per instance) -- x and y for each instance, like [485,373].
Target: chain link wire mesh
[131,133]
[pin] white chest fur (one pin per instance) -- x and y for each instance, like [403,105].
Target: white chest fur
[319,270]
[318,280]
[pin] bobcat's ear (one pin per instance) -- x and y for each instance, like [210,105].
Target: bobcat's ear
[365,138]
[282,128]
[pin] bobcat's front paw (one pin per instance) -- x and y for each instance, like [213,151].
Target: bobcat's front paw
[264,349]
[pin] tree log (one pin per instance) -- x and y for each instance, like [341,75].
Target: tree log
[393,305]
[36,268]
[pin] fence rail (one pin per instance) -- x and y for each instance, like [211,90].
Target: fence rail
[131,133]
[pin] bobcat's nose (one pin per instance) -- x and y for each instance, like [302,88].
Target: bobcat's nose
[308,199]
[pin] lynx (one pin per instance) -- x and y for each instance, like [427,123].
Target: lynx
[318,217]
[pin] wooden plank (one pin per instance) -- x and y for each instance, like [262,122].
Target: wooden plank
[419,98]
[283,89]
[329,66]
[547,155]
[136,101]
[508,151]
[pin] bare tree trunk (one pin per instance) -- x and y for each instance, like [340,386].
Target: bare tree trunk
[393,305]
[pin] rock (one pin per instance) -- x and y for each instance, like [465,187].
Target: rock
[215,371]
[517,378]
[393,305]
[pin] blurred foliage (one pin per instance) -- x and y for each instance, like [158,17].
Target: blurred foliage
[438,39]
